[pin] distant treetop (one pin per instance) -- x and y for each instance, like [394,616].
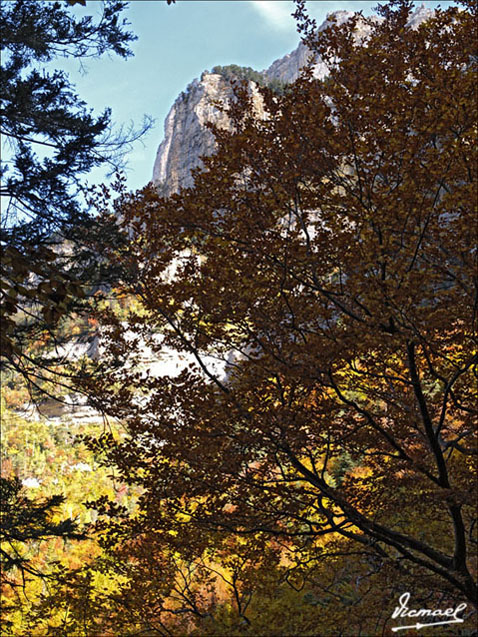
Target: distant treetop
[233,72]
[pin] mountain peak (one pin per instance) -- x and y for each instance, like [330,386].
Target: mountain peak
[186,137]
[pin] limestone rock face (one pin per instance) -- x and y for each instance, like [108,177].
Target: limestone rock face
[186,137]
[287,69]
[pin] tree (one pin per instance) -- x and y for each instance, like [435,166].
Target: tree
[326,257]
[51,140]
[234,73]
[25,521]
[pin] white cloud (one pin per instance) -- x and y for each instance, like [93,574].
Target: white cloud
[277,13]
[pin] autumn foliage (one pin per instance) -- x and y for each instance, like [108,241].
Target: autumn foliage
[320,281]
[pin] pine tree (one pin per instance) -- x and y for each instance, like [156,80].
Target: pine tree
[51,140]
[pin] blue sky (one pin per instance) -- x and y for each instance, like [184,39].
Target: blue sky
[175,44]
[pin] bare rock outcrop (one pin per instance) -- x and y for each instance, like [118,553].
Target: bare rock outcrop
[186,137]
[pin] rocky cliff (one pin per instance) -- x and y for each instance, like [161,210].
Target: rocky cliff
[185,136]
